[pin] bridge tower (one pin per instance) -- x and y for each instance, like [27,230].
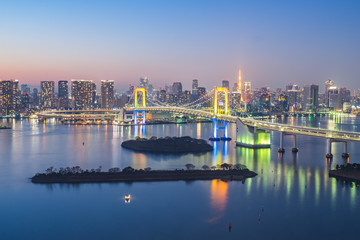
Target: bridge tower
[217,112]
[139,115]
[141,90]
[216,102]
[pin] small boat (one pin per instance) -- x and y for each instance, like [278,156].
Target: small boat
[225,138]
[127,198]
[214,139]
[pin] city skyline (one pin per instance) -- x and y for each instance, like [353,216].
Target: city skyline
[202,40]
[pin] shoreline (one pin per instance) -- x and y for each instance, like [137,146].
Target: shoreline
[168,145]
[349,175]
[143,176]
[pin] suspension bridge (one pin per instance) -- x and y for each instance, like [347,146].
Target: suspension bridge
[250,132]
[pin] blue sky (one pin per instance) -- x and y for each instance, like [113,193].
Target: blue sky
[274,42]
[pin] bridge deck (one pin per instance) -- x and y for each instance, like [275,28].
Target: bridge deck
[287,129]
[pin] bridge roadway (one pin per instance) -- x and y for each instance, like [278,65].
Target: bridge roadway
[265,125]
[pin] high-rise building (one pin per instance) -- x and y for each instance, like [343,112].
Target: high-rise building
[144,83]
[25,88]
[334,98]
[345,95]
[226,84]
[328,84]
[314,97]
[36,99]
[293,98]
[82,94]
[9,97]
[195,85]
[177,88]
[239,85]
[162,95]
[247,86]
[306,99]
[292,86]
[202,91]
[107,94]
[63,94]
[47,94]
[247,91]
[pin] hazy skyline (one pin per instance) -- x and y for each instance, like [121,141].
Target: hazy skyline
[274,42]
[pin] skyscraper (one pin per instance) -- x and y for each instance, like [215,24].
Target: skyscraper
[107,94]
[47,92]
[177,88]
[195,85]
[314,96]
[9,97]
[334,98]
[24,88]
[247,86]
[226,84]
[82,94]
[247,91]
[63,91]
[36,99]
[239,85]
[144,83]
[328,84]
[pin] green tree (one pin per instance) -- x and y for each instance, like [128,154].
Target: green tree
[190,166]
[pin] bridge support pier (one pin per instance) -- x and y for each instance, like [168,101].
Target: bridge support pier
[251,136]
[281,148]
[329,154]
[294,149]
[345,153]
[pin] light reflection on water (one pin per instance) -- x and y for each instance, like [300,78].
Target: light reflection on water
[294,188]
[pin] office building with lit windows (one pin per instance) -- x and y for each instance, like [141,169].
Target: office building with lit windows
[47,94]
[83,94]
[107,94]
[9,97]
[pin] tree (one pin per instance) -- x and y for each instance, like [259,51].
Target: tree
[205,167]
[114,170]
[148,169]
[128,169]
[239,166]
[213,167]
[226,166]
[189,166]
[50,170]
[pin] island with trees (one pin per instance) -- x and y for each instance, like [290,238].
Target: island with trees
[168,145]
[347,172]
[77,175]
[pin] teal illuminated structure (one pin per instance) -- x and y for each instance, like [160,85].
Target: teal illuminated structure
[251,137]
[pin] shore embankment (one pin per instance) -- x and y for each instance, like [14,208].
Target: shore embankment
[348,172]
[141,175]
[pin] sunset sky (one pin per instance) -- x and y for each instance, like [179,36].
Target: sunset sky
[274,42]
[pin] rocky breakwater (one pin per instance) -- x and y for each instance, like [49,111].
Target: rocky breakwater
[168,145]
[129,174]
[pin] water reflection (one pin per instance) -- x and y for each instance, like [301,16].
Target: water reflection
[218,199]
[292,184]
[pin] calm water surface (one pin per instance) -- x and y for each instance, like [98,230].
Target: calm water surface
[291,198]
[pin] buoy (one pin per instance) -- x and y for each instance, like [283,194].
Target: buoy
[229,227]
[83,143]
